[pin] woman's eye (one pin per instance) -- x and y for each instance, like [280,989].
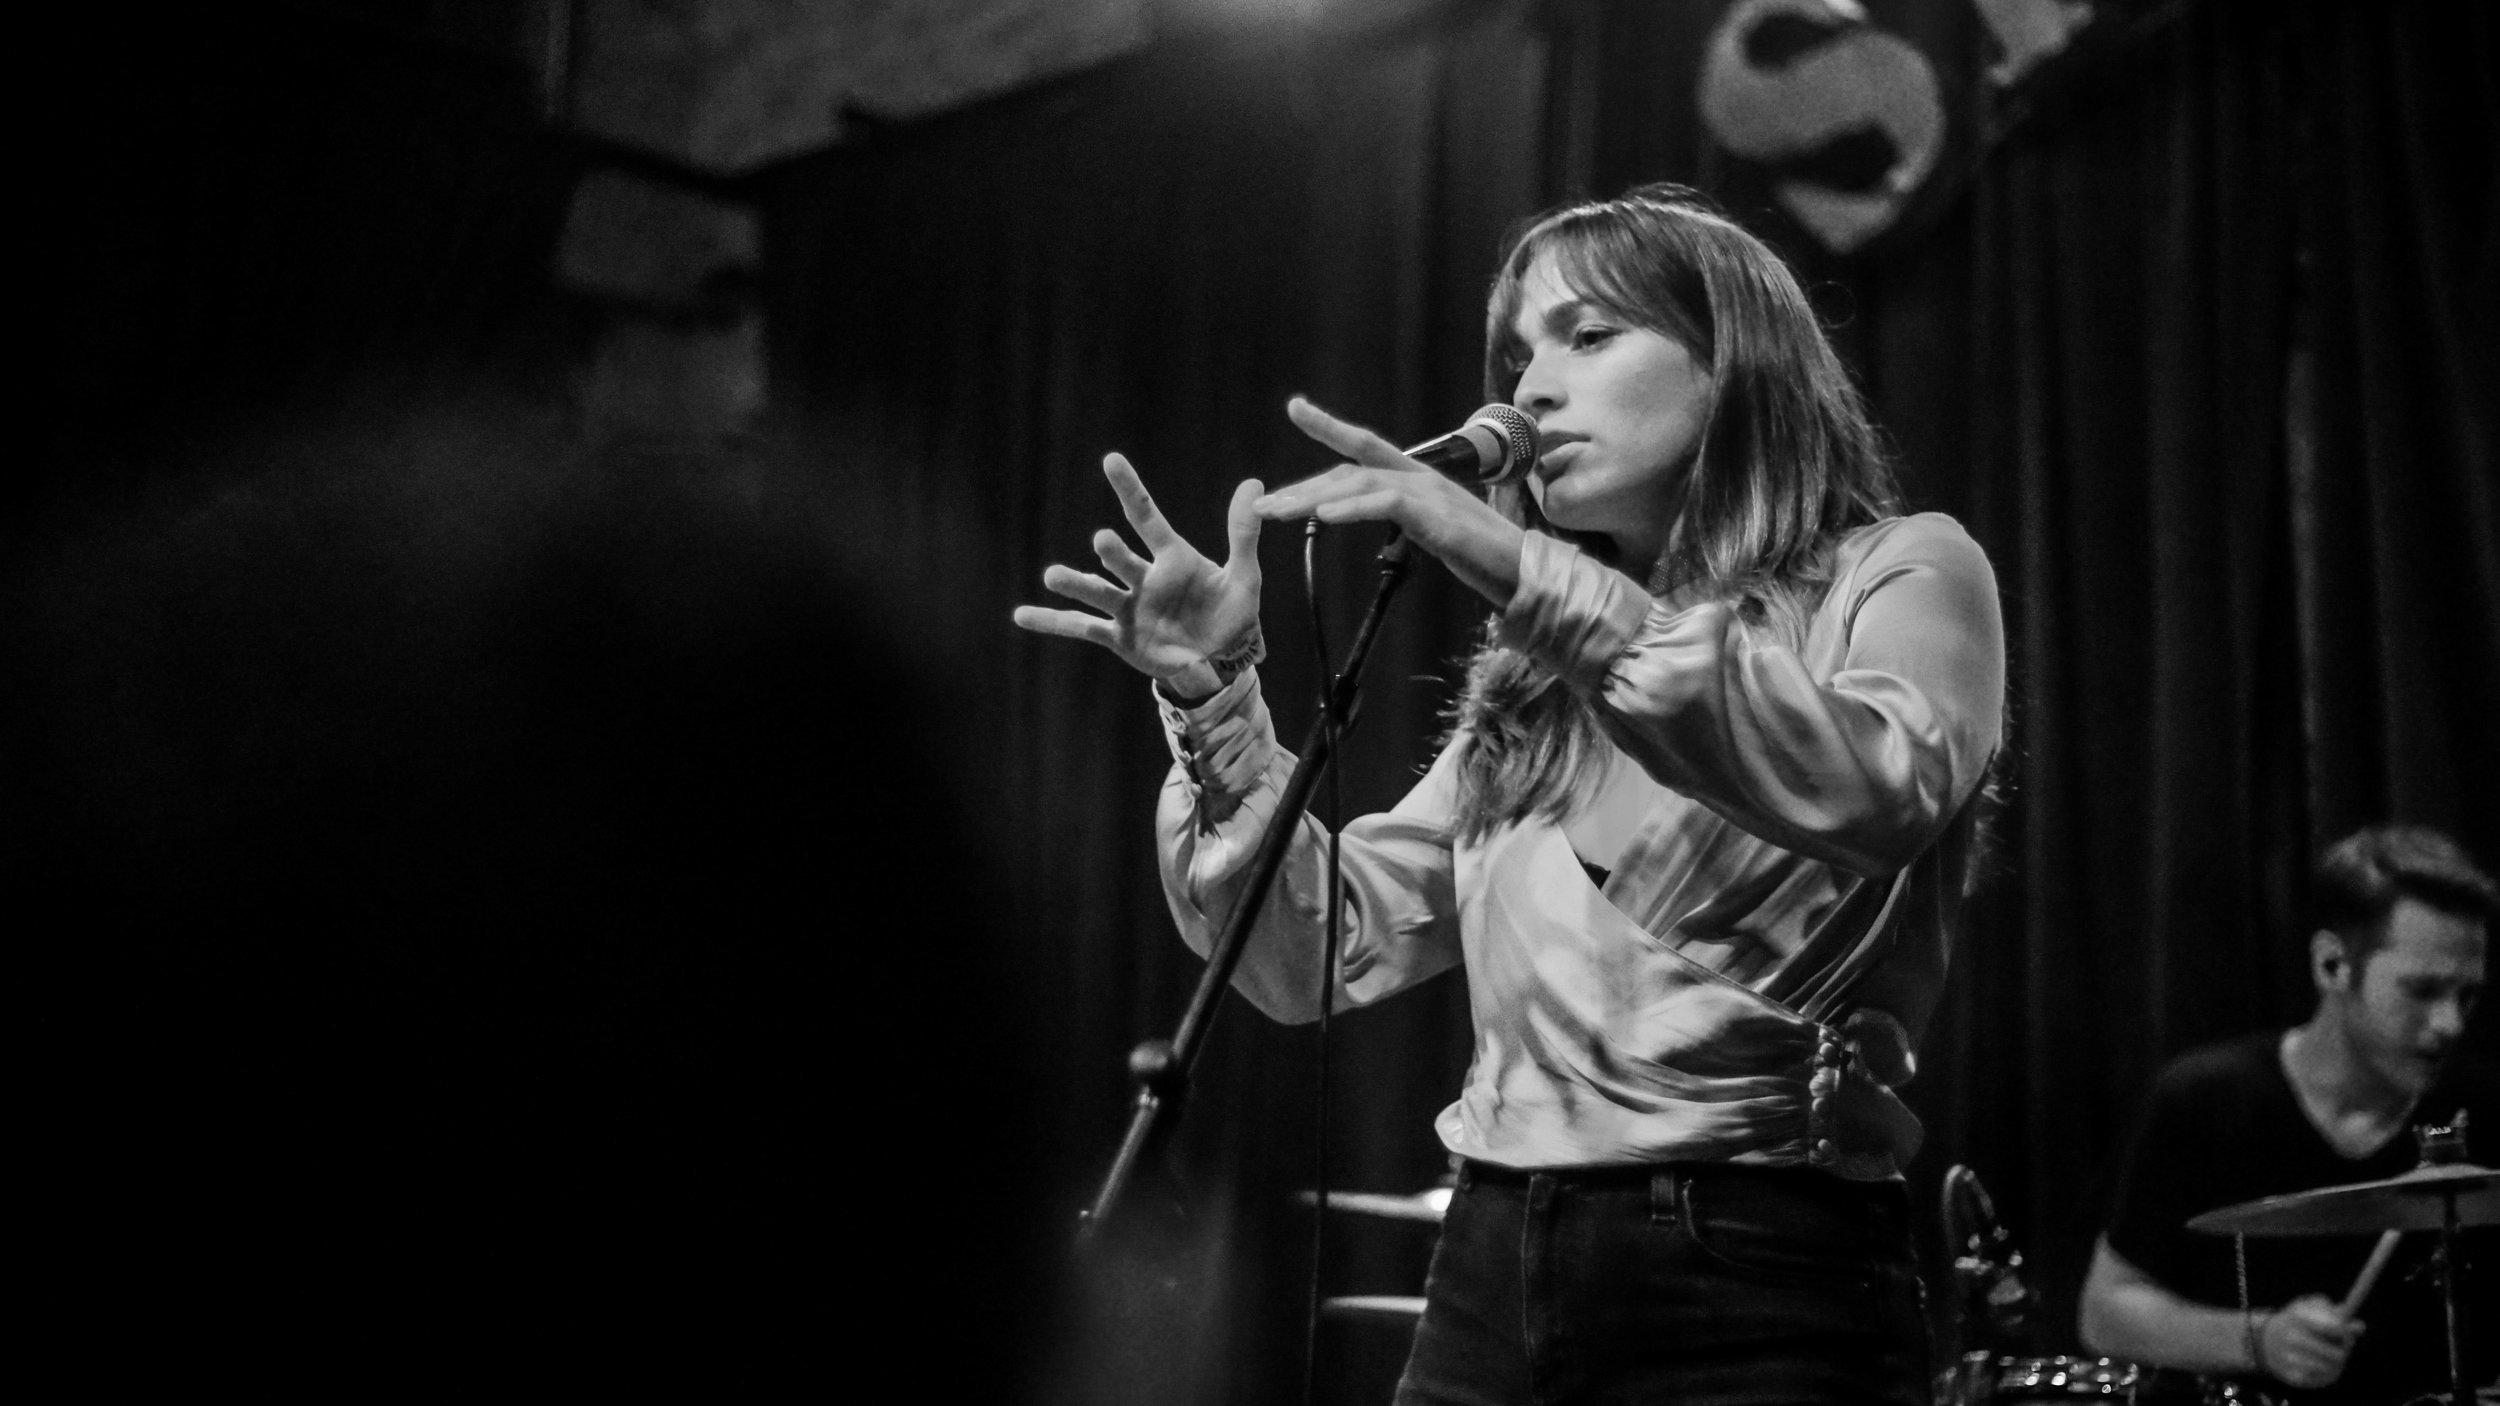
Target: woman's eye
[1593,335]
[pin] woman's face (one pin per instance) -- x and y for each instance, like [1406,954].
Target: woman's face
[1619,411]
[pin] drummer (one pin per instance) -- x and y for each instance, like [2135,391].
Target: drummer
[2397,951]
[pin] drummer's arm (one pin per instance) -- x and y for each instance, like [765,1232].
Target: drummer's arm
[2128,1313]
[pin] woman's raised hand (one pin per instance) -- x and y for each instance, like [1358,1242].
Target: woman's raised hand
[1380,484]
[1168,612]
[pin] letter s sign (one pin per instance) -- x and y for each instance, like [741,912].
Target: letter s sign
[1846,79]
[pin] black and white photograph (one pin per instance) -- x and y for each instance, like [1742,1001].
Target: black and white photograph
[1260,702]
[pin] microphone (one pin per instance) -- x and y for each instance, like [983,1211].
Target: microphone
[1496,446]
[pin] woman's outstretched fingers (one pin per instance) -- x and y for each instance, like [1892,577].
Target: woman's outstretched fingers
[1137,503]
[1164,609]
[1117,559]
[1083,588]
[1302,500]
[1067,624]
[1344,436]
[1241,525]
[1378,505]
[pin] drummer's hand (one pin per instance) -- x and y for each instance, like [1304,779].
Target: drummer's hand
[1168,612]
[1380,484]
[2306,1342]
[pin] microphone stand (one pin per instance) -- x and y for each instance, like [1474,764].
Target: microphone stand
[1161,1068]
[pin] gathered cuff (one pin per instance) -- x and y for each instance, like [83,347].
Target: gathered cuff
[1222,745]
[1572,613]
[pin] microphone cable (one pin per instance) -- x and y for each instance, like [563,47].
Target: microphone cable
[1334,728]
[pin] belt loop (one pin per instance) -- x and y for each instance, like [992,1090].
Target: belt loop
[1662,1196]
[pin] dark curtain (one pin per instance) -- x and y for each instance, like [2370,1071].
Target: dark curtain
[968,313]
[2222,410]
[2203,357]
[2201,353]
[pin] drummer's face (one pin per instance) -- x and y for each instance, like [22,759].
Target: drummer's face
[2409,1000]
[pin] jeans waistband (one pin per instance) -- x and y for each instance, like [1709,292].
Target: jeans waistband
[1471,1172]
[1810,1179]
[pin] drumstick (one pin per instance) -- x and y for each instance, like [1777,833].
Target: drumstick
[2369,1272]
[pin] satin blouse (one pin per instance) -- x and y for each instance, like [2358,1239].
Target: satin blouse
[1751,980]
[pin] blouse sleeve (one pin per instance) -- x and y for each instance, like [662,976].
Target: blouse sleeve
[1862,768]
[1401,908]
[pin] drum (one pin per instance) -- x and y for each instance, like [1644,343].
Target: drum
[2063,1379]
[2156,1387]
[2228,1393]
[1983,1378]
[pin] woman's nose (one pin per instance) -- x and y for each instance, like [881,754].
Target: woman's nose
[1537,393]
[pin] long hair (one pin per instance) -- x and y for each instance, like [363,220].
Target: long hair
[1787,464]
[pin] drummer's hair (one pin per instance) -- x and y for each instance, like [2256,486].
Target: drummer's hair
[2358,879]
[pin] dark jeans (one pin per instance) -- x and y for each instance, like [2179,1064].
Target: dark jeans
[1696,1283]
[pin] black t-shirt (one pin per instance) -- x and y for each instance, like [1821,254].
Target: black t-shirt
[2221,1126]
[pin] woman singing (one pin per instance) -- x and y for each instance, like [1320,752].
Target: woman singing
[1697,833]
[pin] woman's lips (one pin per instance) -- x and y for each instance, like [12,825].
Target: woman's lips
[1550,463]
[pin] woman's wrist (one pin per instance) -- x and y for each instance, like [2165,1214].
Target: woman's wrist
[1192,685]
[1196,682]
[1480,547]
[1239,657]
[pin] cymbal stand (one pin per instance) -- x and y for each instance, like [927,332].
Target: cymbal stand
[2447,1145]
[2444,1270]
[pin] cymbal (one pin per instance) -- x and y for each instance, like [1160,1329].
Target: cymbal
[1427,1206]
[2415,1201]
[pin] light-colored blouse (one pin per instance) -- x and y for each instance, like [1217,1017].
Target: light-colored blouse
[1784,828]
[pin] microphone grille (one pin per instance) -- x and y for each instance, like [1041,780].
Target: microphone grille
[1518,435]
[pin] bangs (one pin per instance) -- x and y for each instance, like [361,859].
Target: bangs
[1602,258]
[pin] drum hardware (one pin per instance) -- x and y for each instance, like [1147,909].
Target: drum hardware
[1399,1310]
[1424,1206]
[1396,1311]
[2224,1392]
[1987,1267]
[1991,1307]
[1983,1377]
[2444,1193]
